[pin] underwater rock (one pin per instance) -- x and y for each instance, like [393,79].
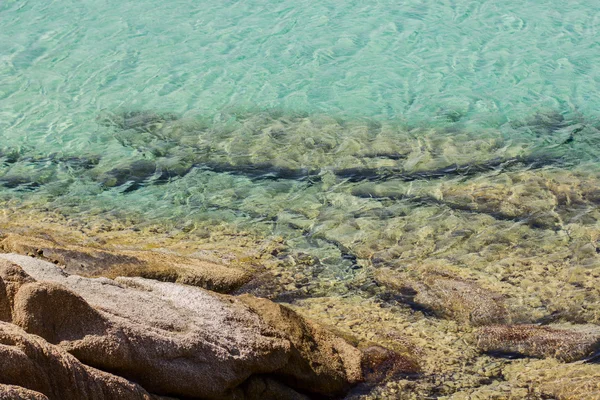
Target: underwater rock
[381,364]
[358,174]
[449,297]
[181,340]
[546,199]
[567,344]
[271,146]
[552,379]
[31,171]
[30,364]
[18,181]
[136,173]
[543,123]
[141,121]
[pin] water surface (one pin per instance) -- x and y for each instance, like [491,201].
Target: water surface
[366,134]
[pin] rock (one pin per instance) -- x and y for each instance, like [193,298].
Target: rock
[77,318]
[12,278]
[11,392]
[332,369]
[5,308]
[449,297]
[552,379]
[88,261]
[31,363]
[570,344]
[380,364]
[262,388]
[180,340]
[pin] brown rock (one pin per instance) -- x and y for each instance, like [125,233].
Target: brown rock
[380,364]
[30,362]
[88,261]
[574,343]
[180,340]
[11,278]
[5,311]
[264,388]
[77,318]
[14,277]
[11,392]
[331,369]
[449,297]
[74,259]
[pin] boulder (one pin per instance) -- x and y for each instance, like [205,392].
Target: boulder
[567,344]
[381,364]
[180,340]
[11,392]
[447,296]
[330,369]
[12,277]
[31,368]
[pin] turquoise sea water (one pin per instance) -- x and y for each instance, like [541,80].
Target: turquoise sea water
[267,114]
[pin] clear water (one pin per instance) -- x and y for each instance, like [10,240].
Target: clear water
[274,102]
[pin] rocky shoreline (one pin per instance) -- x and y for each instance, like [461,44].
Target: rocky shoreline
[67,336]
[167,335]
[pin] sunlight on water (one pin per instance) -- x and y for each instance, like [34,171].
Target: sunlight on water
[409,136]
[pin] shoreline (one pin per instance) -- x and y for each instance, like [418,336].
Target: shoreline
[408,310]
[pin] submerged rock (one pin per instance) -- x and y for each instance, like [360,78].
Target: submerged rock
[449,297]
[381,364]
[552,379]
[179,340]
[574,343]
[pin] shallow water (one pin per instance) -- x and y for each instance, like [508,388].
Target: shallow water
[367,135]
